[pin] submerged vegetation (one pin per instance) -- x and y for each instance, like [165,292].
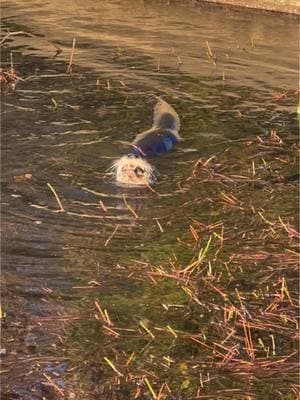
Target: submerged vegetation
[223,325]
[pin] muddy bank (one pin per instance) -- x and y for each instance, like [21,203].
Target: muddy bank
[285,6]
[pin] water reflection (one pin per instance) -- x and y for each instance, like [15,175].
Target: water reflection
[135,34]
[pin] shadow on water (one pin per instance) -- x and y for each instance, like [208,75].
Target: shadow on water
[184,292]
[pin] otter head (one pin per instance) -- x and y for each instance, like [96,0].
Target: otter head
[133,170]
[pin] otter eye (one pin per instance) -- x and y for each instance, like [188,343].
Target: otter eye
[139,171]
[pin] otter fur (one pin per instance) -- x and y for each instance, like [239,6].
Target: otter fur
[134,169]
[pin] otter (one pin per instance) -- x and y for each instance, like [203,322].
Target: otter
[133,168]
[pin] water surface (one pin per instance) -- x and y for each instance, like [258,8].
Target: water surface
[224,71]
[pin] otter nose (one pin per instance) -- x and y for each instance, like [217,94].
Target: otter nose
[139,171]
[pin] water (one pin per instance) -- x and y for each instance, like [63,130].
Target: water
[66,130]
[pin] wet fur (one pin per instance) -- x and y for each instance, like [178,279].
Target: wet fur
[134,169]
[166,123]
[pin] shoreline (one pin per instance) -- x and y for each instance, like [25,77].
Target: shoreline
[282,6]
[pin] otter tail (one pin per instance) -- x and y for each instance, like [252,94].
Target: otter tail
[163,135]
[165,117]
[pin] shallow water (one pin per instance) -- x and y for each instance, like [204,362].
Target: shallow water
[67,130]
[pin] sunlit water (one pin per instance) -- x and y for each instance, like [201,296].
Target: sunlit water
[67,130]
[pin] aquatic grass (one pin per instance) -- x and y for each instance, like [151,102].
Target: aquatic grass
[9,77]
[225,313]
[129,207]
[210,55]
[111,364]
[147,330]
[222,320]
[150,389]
[69,68]
[54,385]
[56,197]
[111,235]
[28,34]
